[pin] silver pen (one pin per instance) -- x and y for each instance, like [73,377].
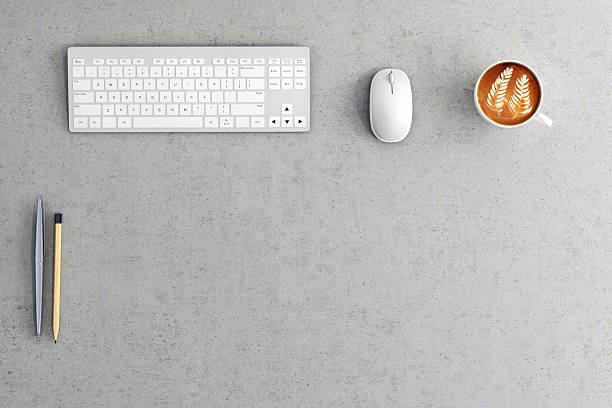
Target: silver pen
[38,263]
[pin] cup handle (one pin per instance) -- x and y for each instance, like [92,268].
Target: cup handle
[542,118]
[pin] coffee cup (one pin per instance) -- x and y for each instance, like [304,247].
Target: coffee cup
[508,94]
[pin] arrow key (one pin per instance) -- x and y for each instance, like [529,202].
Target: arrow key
[300,121]
[287,121]
[274,121]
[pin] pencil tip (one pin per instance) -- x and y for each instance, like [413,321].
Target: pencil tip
[55,341]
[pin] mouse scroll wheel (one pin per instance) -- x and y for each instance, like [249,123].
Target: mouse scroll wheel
[391,80]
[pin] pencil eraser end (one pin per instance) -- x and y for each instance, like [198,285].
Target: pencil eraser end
[58,218]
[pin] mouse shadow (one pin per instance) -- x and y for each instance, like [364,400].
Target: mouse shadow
[361,95]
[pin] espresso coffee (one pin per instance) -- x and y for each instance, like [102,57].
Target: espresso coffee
[508,93]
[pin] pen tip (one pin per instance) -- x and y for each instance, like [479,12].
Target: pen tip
[55,341]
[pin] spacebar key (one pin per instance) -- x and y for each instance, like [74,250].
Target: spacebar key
[168,122]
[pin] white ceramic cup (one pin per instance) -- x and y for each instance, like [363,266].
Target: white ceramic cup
[539,116]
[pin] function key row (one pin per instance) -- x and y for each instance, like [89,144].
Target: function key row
[190,61]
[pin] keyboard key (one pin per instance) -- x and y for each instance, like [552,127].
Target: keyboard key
[142,72]
[198,109]
[287,61]
[116,72]
[181,72]
[114,97]
[274,61]
[101,97]
[217,97]
[159,110]
[191,97]
[252,72]
[243,122]
[87,110]
[220,72]
[245,61]
[201,84]
[139,61]
[158,61]
[146,110]
[194,71]
[121,110]
[211,121]
[211,109]
[124,122]
[274,71]
[175,84]
[239,83]
[98,84]
[111,61]
[274,83]
[172,61]
[214,83]
[300,83]
[287,109]
[232,61]
[227,122]
[247,109]
[198,61]
[257,122]
[165,97]
[287,71]
[273,121]
[223,109]
[148,84]
[229,97]
[218,61]
[78,61]
[207,71]
[98,61]
[78,72]
[80,123]
[162,84]
[133,110]
[185,61]
[109,122]
[81,84]
[127,97]
[168,72]
[204,97]
[300,61]
[155,72]
[108,110]
[172,110]
[83,97]
[125,61]
[94,122]
[178,96]
[255,83]
[255,96]
[104,72]
[300,71]
[233,71]
[287,83]
[227,84]
[140,97]
[129,71]
[259,61]
[91,72]
[110,84]
[287,121]
[185,109]
[188,84]
[300,121]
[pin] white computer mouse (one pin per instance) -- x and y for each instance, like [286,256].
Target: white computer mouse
[390,105]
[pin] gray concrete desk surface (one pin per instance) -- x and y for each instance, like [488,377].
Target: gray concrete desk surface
[467,266]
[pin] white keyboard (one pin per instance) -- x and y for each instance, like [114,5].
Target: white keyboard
[189,89]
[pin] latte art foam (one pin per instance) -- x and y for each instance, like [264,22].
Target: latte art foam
[508,93]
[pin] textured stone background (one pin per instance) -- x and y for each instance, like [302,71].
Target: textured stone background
[467,266]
